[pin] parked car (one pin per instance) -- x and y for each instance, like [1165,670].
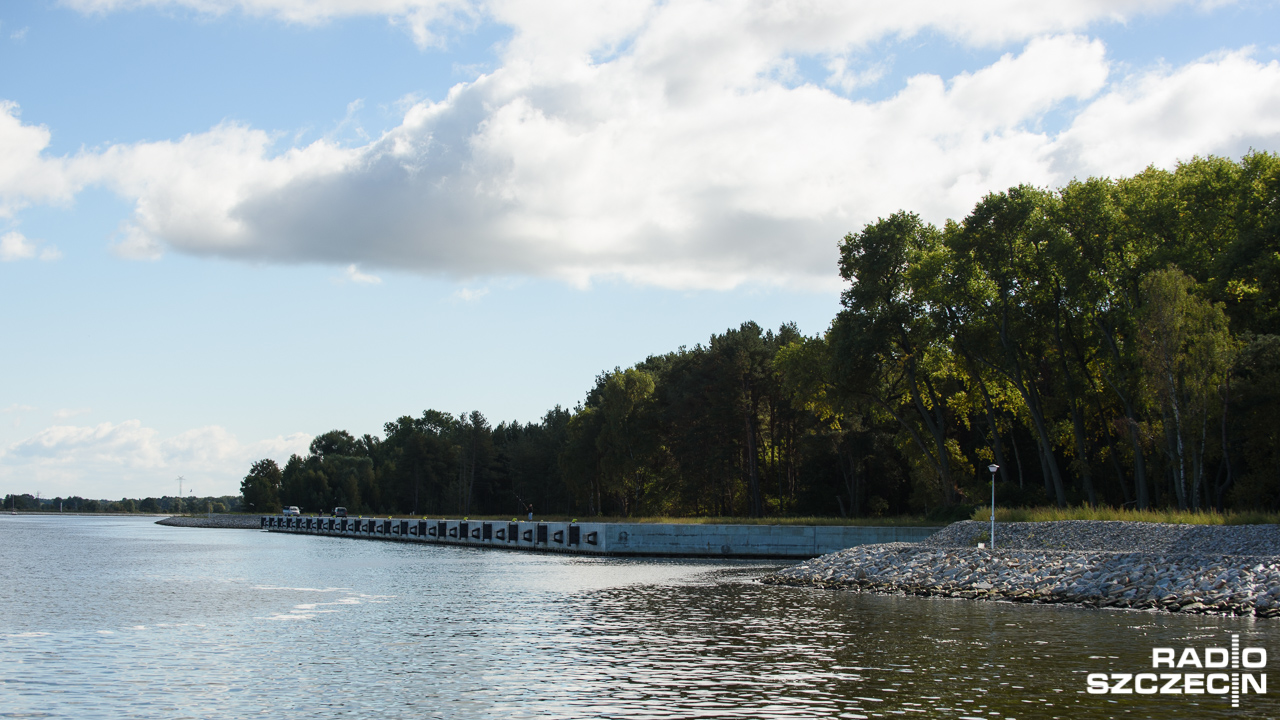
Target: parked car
[292,510]
[339,512]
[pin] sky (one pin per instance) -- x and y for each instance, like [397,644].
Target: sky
[227,226]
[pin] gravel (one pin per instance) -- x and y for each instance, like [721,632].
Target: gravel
[1144,566]
[238,522]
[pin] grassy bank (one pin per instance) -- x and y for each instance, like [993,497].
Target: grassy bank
[1050,514]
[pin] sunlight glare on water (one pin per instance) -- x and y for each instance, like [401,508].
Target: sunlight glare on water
[119,617]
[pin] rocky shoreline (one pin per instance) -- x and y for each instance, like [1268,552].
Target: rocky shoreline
[1232,570]
[235,522]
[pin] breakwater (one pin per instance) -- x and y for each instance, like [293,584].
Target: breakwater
[615,539]
[1143,566]
[216,520]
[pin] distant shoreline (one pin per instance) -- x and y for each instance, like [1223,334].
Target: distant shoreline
[56,513]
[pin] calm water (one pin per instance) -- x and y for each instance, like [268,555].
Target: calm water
[119,617]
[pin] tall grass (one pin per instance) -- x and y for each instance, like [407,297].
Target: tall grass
[1084,512]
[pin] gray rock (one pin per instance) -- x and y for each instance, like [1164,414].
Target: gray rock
[1177,568]
[237,522]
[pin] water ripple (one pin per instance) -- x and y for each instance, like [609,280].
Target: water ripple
[110,618]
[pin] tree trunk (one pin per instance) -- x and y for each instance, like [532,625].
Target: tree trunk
[1082,457]
[1221,488]
[1139,461]
[1017,457]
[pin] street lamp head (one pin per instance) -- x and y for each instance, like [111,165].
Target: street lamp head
[993,468]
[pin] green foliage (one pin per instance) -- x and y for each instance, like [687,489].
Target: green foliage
[1111,343]
[260,489]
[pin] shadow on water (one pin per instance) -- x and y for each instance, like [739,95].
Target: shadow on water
[118,617]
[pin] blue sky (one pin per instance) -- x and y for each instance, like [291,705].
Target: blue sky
[228,225]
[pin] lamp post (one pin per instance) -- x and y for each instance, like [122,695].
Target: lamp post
[993,468]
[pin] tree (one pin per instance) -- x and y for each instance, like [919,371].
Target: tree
[887,346]
[1187,351]
[260,488]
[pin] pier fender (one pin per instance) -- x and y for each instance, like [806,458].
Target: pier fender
[486,531]
[501,533]
[558,537]
[475,533]
[593,538]
[422,528]
[453,532]
[431,531]
[542,535]
[528,536]
[404,528]
[575,535]
[513,532]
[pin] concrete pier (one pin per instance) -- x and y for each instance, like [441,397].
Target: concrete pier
[615,539]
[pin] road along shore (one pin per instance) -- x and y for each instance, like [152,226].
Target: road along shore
[1143,566]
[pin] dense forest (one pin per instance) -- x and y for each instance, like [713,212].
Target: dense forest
[1114,341]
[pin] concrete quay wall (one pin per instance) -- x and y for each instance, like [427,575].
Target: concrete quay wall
[616,539]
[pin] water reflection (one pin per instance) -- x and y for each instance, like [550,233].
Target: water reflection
[111,618]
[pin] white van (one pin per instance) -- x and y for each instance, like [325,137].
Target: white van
[292,510]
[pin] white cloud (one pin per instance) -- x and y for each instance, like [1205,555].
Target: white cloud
[137,460]
[354,275]
[18,408]
[848,78]
[470,294]
[64,413]
[16,246]
[1224,105]
[26,176]
[136,244]
[656,143]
